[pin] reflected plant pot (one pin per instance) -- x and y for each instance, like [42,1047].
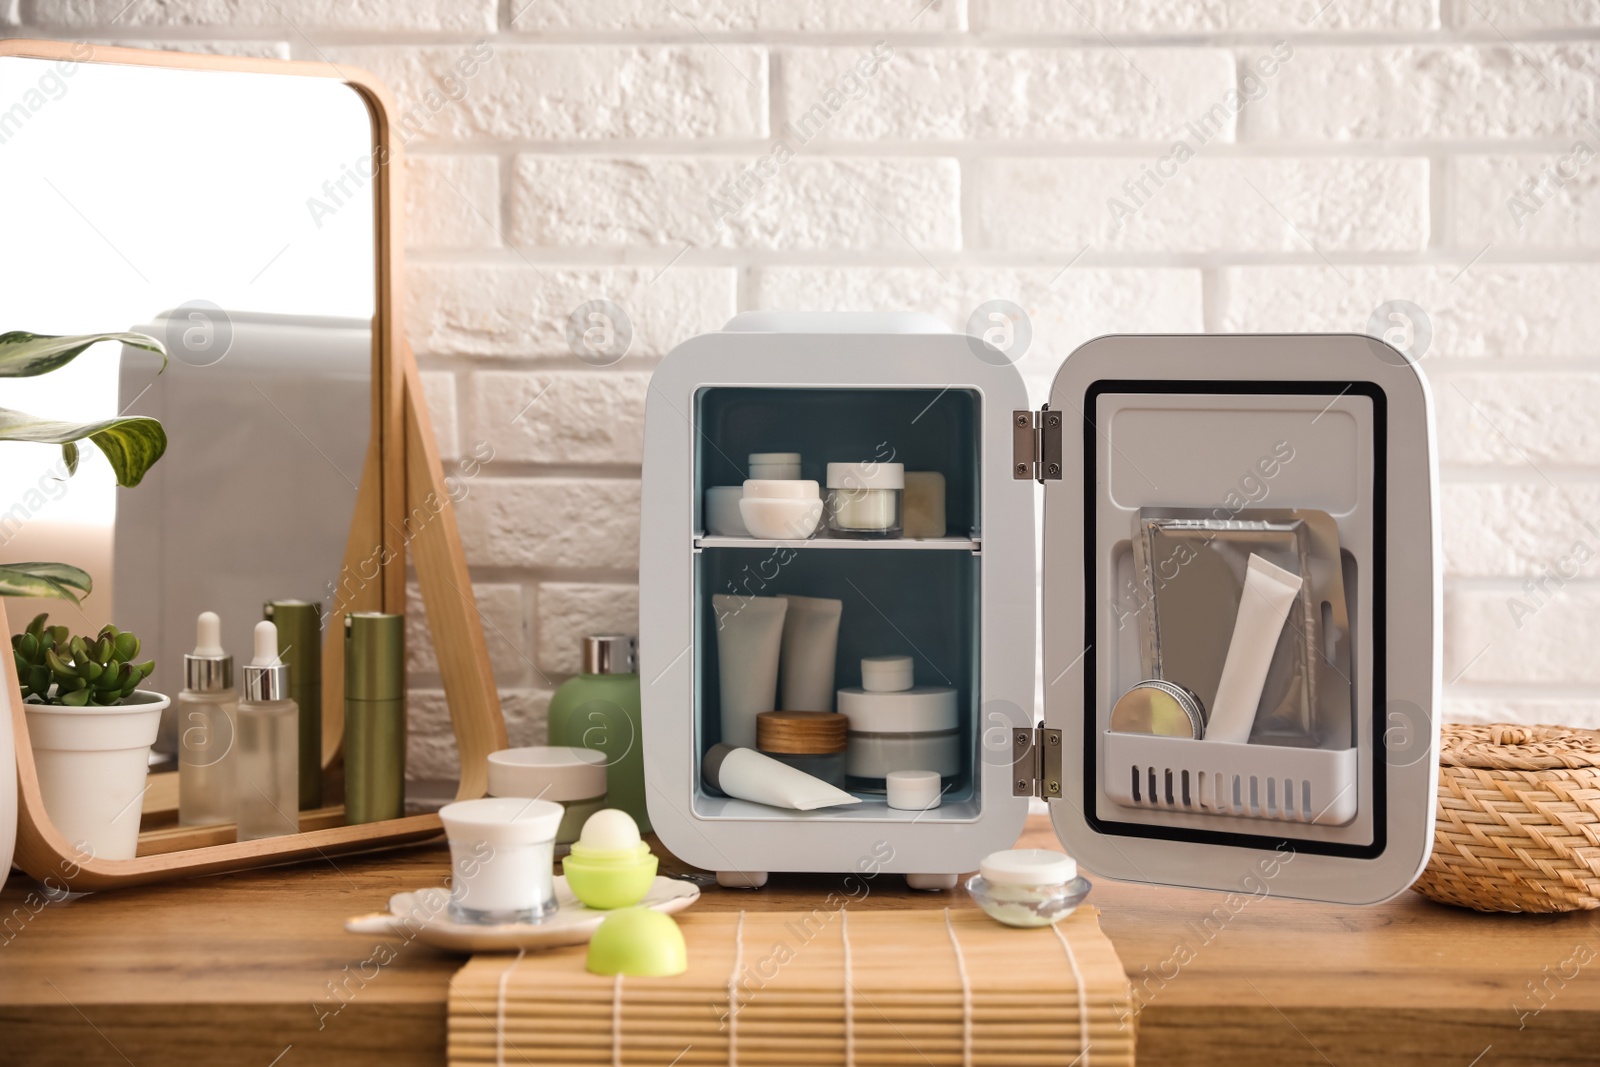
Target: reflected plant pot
[8,791]
[92,764]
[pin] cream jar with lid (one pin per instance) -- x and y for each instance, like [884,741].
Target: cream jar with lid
[774,466]
[575,778]
[502,859]
[864,499]
[811,741]
[1028,886]
[781,508]
[907,728]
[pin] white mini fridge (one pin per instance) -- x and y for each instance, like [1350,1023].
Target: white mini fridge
[1168,466]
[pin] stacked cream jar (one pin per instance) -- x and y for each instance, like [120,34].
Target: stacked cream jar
[774,503]
[901,735]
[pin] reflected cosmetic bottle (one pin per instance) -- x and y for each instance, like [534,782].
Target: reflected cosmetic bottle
[269,745]
[299,624]
[207,711]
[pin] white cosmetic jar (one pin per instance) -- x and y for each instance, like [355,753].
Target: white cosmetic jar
[864,499]
[722,518]
[781,509]
[502,856]
[887,674]
[575,778]
[774,464]
[910,730]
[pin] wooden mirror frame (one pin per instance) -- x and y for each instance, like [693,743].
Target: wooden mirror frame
[402,503]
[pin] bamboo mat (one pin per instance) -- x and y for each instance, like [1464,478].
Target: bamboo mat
[825,987]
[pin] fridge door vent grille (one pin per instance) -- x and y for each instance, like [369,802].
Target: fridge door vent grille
[1305,785]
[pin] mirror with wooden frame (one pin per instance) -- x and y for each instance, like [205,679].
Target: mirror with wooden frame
[243,213]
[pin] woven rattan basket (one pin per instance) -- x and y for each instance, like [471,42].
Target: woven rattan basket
[1519,819]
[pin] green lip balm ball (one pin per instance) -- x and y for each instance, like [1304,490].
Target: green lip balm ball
[638,943]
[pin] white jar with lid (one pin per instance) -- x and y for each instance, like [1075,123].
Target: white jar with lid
[575,778]
[864,499]
[895,726]
[774,466]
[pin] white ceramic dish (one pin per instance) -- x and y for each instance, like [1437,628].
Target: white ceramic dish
[777,519]
[425,914]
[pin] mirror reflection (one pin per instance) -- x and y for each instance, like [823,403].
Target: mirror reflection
[231,217]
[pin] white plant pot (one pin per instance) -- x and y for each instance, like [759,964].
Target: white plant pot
[92,764]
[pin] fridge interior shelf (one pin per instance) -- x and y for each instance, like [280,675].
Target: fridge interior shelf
[893,544]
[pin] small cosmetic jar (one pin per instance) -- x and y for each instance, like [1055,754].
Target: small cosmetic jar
[575,778]
[609,866]
[864,499]
[912,730]
[887,674]
[1158,707]
[722,518]
[1028,886]
[809,741]
[501,853]
[774,465]
[914,790]
[781,509]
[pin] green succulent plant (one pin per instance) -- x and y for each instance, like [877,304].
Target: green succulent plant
[131,443]
[79,672]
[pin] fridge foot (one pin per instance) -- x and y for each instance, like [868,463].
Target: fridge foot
[741,879]
[931,882]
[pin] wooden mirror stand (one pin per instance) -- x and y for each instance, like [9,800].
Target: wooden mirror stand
[403,505]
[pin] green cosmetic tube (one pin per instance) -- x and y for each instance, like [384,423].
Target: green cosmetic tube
[299,624]
[374,717]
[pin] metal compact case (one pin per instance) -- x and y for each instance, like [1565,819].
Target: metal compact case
[1154,706]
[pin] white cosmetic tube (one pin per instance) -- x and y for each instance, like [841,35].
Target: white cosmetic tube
[1268,593]
[749,639]
[745,774]
[810,648]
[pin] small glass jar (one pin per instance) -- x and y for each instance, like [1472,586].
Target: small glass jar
[1028,887]
[864,499]
[811,741]
[575,778]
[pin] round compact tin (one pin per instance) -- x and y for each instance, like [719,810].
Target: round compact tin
[1158,707]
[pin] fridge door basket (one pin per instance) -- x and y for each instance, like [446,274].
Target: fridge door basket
[1304,785]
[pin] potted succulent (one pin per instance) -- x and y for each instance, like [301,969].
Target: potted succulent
[91,727]
[76,739]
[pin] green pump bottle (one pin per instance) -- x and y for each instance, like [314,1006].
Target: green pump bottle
[599,709]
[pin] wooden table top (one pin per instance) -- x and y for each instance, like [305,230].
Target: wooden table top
[256,969]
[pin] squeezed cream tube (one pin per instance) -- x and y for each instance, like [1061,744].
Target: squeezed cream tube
[749,639]
[745,774]
[1268,593]
[810,649]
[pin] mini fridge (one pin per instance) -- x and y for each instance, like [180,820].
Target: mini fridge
[1168,470]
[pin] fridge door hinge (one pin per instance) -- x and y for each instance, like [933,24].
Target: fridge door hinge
[1036,762]
[1036,445]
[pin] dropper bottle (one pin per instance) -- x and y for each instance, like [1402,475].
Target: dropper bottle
[207,710]
[269,745]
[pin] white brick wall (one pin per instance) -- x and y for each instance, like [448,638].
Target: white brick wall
[628,149]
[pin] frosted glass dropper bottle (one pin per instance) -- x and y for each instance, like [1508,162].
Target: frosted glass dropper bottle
[269,745]
[207,711]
